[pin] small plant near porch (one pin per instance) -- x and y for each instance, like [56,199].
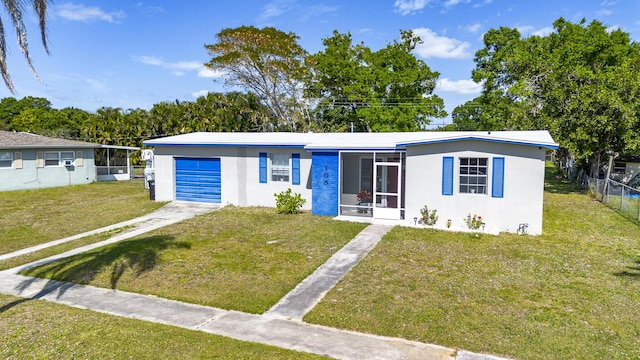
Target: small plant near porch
[429,217]
[363,197]
[288,202]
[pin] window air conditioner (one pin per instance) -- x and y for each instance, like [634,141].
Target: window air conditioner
[68,162]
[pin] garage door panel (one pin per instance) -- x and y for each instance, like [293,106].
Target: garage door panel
[198,180]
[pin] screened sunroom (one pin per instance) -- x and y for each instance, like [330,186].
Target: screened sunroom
[371,188]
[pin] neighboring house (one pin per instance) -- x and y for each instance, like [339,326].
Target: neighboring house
[624,169]
[497,175]
[30,161]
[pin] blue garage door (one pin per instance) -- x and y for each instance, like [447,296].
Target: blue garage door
[198,180]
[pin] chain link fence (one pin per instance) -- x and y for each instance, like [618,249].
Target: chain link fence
[617,196]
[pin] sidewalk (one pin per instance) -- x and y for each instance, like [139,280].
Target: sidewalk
[281,326]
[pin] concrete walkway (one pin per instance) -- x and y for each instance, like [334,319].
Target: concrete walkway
[171,213]
[311,290]
[280,326]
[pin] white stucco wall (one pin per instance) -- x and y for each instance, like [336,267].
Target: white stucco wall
[240,173]
[523,185]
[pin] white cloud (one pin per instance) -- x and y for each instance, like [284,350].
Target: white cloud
[205,72]
[200,93]
[274,9]
[473,28]
[150,10]
[530,30]
[440,46]
[405,7]
[186,65]
[604,12]
[464,87]
[79,12]
[544,31]
[148,60]
[179,68]
[612,28]
[319,10]
[452,3]
[485,2]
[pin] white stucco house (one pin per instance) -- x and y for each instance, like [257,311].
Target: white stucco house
[497,175]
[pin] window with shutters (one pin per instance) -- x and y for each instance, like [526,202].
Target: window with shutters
[473,175]
[280,167]
[6,159]
[57,158]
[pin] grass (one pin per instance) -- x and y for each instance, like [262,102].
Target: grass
[572,293]
[32,217]
[44,330]
[58,249]
[243,259]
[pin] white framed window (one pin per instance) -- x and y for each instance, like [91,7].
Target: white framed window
[57,158]
[620,168]
[280,167]
[473,175]
[6,159]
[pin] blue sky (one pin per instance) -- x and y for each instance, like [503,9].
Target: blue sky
[132,54]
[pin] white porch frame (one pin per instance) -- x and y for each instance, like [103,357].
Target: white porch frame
[378,211]
[118,172]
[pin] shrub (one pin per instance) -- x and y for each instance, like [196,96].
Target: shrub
[473,222]
[289,203]
[429,217]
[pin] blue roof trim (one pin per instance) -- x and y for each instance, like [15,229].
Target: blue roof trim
[503,141]
[226,145]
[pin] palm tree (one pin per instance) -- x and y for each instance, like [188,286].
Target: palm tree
[14,9]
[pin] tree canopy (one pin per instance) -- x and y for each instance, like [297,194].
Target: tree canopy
[114,126]
[266,61]
[581,82]
[385,90]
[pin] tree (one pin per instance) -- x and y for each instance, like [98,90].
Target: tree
[266,61]
[15,10]
[580,82]
[468,116]
[385,90]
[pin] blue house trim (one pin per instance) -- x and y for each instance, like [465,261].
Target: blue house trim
[497,178]
[295,169]
[263,167]
[324,190]
[447,175]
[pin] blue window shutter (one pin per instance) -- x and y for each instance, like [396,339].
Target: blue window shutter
[447,175]
[497,178]
[295,169]
[263,167]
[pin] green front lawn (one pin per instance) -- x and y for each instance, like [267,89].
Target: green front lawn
[242,259]
[35,329]
[32,217]
[572,293]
